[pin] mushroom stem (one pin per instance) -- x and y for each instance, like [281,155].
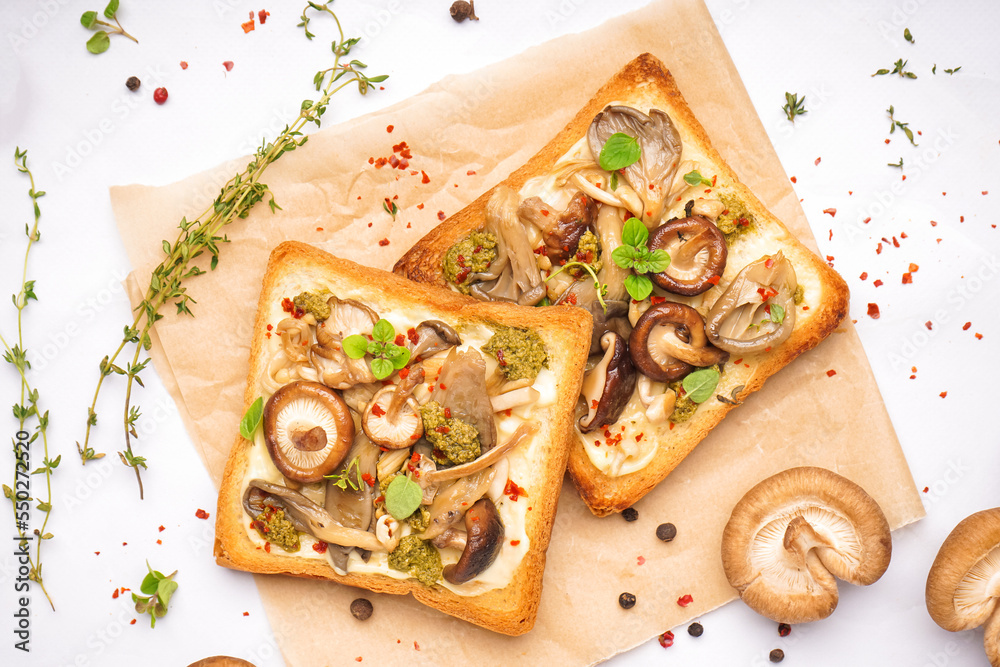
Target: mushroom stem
[524,433]
[404,390]
[991,637]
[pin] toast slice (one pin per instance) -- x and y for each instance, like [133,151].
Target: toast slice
[620,460]
[289,339]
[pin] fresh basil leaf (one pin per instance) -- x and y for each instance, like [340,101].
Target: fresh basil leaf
[658,261]
[700,385]
[695,178]
[381,368]
[634,233]
[251,419]
[88,19]
[619,151]
[777,313]
[639,287]
[402,497]
[623,256]
[99,43]
[110,10]
[383,332]
[355,346]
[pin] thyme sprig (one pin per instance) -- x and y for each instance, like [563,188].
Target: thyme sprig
[28,407]
[794,106]
[199,240]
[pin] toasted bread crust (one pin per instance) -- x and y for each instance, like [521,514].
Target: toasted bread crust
[647,83]
[510,610]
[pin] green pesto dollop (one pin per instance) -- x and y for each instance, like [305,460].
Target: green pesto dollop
[418,558]
[684,407]
[455,441]
[735,219]
[420,519]
[799,296]
[272,526]
[520,352]
[315,303]
[383,483]
[473,254]
[588,250]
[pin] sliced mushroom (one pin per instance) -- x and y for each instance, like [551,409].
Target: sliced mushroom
[668,339]
[308,429]
[485,532]
[697,252]
[336,369]
[608,227]
[386,429]
[309,517]
[963,585]
[742,321]
[433,336]
[612,316]
[792,533]
[453,538]
[388,532]
[461,387]
[658,400]
[608,386]
[353,505]
[524,432]
[660,146]
[454,499]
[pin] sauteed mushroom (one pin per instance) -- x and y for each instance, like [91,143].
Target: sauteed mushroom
[608,386]
[669,339]
[485,532]
[697,252]
[433,336]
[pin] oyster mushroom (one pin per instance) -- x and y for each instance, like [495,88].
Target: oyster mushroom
[608,386]
[792,533]
[612,316]
[561,232]
[461,387]
[697,252]
[392,419]
[433,336]
[658,400]
[668,339]
[743,319]
[336,369]
[963,585]
[485,531]
[524,432]
[307,516]
[454,499]
[660,146]
[351,504]
[308,429]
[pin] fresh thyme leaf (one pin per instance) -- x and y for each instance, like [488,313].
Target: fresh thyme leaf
[614,180]
[898,67]
[893,124]
[619,151]
[907,36]
[101,40]
[343,479]
[402,497]
[700,385]
[252,418]
[390,207]
[695,178]
[794,106]
[934,69]
[896,164]
[952,71]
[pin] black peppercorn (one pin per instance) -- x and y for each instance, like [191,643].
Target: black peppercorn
[666,531]
[461,10]
[361,609]
[777,655]
[784,629]
[695,630]
[630,514]
[626,600]
[132,83]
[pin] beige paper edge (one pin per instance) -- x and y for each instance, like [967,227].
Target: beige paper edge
[800,417]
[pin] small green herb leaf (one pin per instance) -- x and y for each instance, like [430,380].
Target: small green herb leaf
[99,43]
[620,151]
[658,262]
[402,497]
[383,332]
[638,287]
[614,180]
[907,36]
[251,419]
[623,256]
[896,164]
[794,106]
[776,312]
[88,19]
[700,385]
[355,346]
[381,368]
[634,233]
[695,178]
[111,9]
[952,71]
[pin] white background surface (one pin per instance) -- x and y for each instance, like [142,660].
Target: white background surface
[85,131]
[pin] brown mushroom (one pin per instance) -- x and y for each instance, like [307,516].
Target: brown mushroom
[433,336]
[757,310]
[792,533]
[561,232]
[660,152]
[608,386]
[963,585]
[308,429]
[392,429]
[485,531]
[697,252]
[668,339]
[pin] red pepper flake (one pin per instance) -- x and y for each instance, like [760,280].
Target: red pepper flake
[442,429]
[471,172]
[97,553]
[319,229]
[878,250]
[184,64]
[377,410]
[640,560]
[399,340]
[817,160]
[864,275]
[267,547]
[441,215]
[513,491]
[832,212]
[878,283]
[738,361]
[390,128]
[202,514]
[979,336]
[447,413]
[248,26]
[159,541]
[319,547]
[656,299]
[368,479]
[943,394]
[794,180]
[514,543]
[830,238]
[929,325]
[986,192]
[895,242]
[161,529]
[132,622]
[714,280]
[114,594]
[667,638]
[907,278]
[873,311]
[830,373]
[886,141]
[359,658]
[262,16]
[416,646]
[914,268]
[228,65]
[685,600]
[966,326]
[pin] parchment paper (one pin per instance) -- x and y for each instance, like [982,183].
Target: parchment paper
[489,122]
